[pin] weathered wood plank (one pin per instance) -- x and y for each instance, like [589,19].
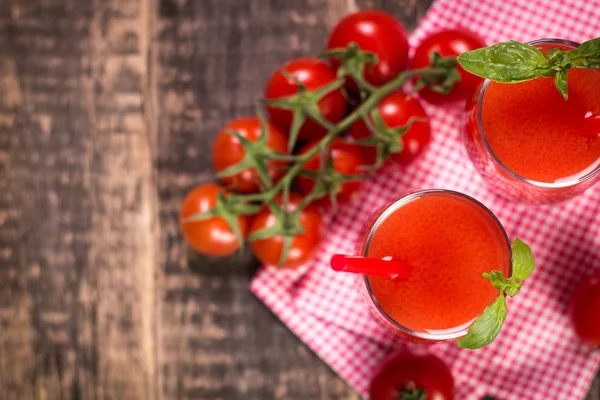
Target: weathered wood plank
[77,205]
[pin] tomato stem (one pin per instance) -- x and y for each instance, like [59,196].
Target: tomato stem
[412,394]
[432,73]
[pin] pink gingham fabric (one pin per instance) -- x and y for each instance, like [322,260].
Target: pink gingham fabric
[537,355]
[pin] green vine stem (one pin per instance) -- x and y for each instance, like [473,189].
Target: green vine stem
[430,73]
[442,73]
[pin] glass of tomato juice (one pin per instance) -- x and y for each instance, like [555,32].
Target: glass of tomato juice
[531,145]
[450,240]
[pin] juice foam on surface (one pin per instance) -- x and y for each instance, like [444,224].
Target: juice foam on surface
[450,242]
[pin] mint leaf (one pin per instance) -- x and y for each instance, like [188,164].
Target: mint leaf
[497,279]
[513,287]
[560,81]
[507,62]
[587,55]
[486,327]
[522,260]
[511,62]
[559,59]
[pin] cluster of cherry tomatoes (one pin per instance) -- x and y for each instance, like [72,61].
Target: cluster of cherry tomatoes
[373,31]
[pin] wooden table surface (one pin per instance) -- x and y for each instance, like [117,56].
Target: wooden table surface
[107,113]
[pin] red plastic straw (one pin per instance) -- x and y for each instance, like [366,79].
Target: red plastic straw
[391,268]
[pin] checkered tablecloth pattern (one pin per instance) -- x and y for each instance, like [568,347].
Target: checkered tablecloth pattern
[536,355]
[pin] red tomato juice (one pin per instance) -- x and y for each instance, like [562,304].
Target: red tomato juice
[450,240]
[537,134]
[540,136]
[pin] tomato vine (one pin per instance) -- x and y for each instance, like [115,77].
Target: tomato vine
[304,105]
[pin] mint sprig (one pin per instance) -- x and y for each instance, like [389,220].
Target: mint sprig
[512,62]
[487,326]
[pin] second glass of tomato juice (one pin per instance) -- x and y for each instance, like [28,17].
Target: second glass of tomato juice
[528,143]
[450,240]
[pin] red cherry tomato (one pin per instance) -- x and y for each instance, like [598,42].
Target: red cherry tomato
[314,74]
[376,32]
[346,159]
[210,236]
[585,310]
[449,43]
[303,245]
[228,151]
[409,372]
[396,110]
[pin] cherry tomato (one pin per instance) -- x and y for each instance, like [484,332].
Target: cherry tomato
[409,372]
[227,151]
[314,74]
[211,236]
[376,32]
[303,245]
[346,159]
[396,110]
[585,310]
[449,43]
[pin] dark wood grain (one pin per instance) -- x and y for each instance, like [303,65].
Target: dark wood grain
[77,202]
[108,109]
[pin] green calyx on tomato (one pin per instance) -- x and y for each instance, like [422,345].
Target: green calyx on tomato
[329,182]
[333,176]
[386,140]
[376,32]
[314,74]
[442,83]
[257,155]
[284,221]
[304,104]
[397,110]
[449,43]
[407,376]
[228,208]
[353,62]
[228,151]
[412,394]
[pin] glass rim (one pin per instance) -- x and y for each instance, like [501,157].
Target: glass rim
[552,185]
[389,210]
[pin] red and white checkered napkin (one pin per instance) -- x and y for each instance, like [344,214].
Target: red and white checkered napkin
[536,355]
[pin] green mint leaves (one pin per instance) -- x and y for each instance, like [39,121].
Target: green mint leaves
[523,263]
[487,326]
[507,62]
[511,62]
[587,55]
